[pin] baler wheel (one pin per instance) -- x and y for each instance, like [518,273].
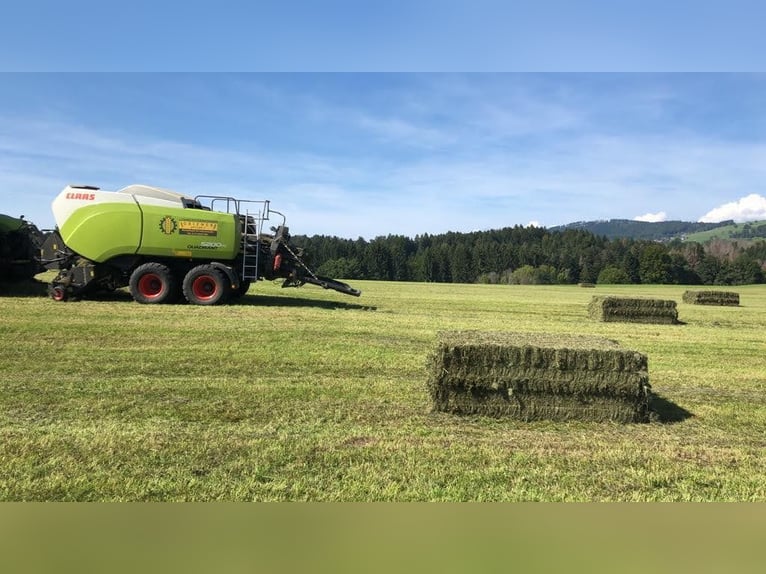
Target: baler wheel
[153,283]
[205,285]
[244,287]
[58,293]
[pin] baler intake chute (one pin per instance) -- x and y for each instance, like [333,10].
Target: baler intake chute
[327,283]
[289,263]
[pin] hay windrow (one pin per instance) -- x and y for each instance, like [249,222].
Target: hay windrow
[722,298]
[535,376]
[633,310]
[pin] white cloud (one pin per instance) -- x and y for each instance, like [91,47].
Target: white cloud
[534,223]
[652,217]
[749,208]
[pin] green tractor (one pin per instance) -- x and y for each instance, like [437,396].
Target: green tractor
[20,243]
[166,246]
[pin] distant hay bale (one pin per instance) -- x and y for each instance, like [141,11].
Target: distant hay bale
[587,284]
[633,310]
[724,298]
[532,377]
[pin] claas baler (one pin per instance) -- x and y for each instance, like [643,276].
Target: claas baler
[166,246]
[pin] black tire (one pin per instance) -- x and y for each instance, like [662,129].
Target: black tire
[153,283]
[58,293]
[244,287]
[206,285]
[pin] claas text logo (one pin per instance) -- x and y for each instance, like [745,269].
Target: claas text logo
[168,225]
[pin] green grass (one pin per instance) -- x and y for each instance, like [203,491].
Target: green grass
[311,395]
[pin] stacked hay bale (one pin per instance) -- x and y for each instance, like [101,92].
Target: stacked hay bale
[533,376]
[633,310]
[725,298]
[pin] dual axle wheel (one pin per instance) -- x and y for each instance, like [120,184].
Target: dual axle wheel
[202,285]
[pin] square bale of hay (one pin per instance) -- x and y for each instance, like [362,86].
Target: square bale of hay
[722,298]
[633,310]
[537,376]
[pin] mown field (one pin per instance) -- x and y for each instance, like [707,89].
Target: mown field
[310,395]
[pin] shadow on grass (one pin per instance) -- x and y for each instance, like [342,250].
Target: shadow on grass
[117,295]
[668,412]
[33,288]
[272,301]
[26,288]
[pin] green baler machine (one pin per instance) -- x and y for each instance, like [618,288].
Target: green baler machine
[164,245]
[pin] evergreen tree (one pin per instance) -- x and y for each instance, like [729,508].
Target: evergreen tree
[708,269]
[462,265]
[681,271]
[378,260]
[745,270]
[654,264]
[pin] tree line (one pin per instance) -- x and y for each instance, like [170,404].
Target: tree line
[750,231]
[533,255]
[649,230]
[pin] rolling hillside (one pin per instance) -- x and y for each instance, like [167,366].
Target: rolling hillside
[749,230]
[669,230]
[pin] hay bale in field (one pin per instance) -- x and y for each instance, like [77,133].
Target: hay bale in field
[724,298]
[590,285]
[531,377]
[634,310]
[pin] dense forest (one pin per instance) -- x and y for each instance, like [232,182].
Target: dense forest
[531,255]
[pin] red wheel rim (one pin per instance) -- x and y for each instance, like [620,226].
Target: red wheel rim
[204,287]
[58,294]
[150,285]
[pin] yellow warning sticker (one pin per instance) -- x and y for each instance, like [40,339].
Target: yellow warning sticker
[196,227]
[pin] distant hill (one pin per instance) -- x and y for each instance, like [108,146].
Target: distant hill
[659,231]
[749,230]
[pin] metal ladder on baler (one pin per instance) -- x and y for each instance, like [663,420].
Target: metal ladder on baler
[251,238]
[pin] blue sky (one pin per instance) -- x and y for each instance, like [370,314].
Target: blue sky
[446,115]
[367,154]
[382,35]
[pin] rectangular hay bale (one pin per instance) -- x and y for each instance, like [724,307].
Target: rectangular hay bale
[723,298]
[533,376]
[633,310]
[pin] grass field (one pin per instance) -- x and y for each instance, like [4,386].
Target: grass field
[311,395]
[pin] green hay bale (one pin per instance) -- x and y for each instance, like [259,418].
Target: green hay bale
[723,298]
[543,407]
[529,377]
[633,310]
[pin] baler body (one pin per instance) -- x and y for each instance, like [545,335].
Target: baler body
[100,225]
[164,244]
